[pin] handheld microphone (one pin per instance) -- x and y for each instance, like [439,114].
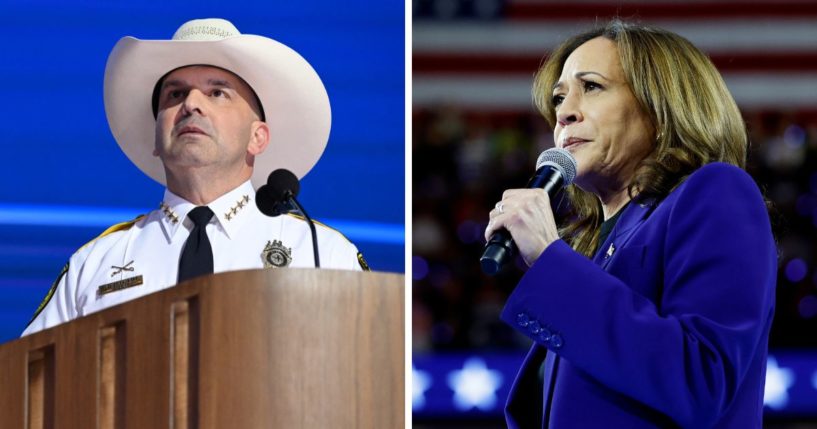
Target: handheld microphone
[274,198]
[555,169]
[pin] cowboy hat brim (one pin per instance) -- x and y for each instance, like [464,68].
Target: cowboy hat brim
[292,96]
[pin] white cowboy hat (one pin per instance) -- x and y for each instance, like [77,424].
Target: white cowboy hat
[292,95]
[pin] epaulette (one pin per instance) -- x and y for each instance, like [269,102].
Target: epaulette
[118,227]
[363,264]
[299,217]
[124,226]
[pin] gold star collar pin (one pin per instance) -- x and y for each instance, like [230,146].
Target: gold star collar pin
[237,207]
[169,213]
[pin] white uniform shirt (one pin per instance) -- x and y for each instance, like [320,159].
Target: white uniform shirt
[105,272]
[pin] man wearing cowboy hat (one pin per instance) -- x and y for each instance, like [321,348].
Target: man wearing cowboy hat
[209,114]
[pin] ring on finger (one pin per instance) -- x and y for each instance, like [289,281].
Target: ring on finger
[499,206]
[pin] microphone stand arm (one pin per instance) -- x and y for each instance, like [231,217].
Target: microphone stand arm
[300,208]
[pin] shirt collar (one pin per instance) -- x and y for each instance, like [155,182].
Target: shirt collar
[231,210]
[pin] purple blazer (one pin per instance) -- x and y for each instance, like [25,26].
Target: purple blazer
[667,326]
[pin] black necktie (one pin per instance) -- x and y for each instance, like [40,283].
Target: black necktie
[197,255]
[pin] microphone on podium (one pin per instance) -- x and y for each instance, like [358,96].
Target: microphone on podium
[275,197]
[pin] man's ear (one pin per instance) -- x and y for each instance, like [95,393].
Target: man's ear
[259,139]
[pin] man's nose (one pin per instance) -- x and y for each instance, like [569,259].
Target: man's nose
[193,102]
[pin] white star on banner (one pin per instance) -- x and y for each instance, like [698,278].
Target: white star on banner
[420,382]
[474,385]
[814,380]
[778,382]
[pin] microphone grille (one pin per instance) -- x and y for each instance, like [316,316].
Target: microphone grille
[562,160]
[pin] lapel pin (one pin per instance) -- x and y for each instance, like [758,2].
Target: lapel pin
[610,251]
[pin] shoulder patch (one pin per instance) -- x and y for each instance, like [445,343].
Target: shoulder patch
[362,262]
[50,294]
[124,226]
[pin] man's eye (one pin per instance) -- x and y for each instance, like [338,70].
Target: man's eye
[175,94]
[218,93]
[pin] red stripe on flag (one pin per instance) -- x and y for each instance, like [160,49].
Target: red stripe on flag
[544,11]
[427,63]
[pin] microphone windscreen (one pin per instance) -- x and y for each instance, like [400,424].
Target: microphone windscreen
[279,182]
[265,202]
[560,159]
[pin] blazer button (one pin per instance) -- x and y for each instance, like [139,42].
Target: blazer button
[522,319]
[545,335]
[556,341]
[534,327]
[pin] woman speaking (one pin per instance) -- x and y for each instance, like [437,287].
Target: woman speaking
[651,308]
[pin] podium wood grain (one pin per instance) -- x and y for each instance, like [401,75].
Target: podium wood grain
[285,348]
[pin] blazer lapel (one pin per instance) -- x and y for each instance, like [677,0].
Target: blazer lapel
[633,216]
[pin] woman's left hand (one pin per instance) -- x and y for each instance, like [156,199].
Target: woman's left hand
[527,215]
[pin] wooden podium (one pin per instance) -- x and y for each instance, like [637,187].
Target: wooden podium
[278,348]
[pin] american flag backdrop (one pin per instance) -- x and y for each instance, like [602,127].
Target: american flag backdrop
[766,51]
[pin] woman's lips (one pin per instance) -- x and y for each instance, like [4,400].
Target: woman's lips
[573,142]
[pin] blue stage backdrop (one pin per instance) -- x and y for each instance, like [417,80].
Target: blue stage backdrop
[65,179]
[472,387]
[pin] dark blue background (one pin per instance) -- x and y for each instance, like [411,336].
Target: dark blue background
[59,159]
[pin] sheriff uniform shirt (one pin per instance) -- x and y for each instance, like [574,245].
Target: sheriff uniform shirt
[141,257]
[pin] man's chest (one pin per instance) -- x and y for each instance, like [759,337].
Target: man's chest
[145,261]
